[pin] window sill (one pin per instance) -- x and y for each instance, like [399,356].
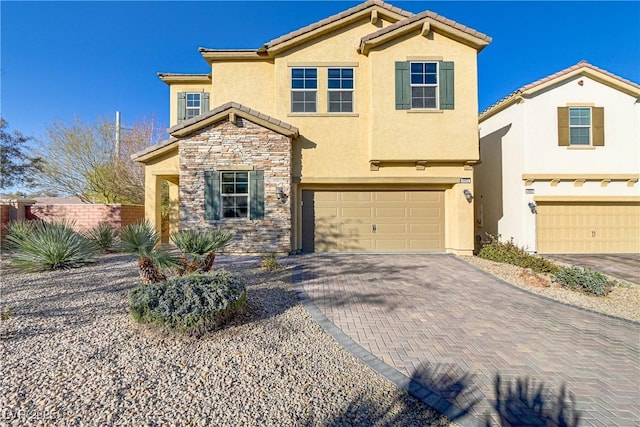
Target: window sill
[323,115]
[581,147]
[434,111]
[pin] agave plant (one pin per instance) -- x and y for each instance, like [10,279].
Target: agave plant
[142,240]
[42,246]
[103,236]
[199,248]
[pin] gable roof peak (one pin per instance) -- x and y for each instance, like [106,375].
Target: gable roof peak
[581,68]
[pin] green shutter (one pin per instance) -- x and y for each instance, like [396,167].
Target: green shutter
[205,103]
[403,86]
[256,194]
[446,85]
[211,195]
[182,106]
[598,126]
[563,126]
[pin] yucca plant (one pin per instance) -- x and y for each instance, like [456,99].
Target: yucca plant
[17,229]
[45,246]
[103,236]
[199,248]
[142,240]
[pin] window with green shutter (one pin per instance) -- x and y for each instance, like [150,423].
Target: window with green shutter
[424,85]
[234,194]
[192,104]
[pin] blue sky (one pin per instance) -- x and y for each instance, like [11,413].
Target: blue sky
[61,60]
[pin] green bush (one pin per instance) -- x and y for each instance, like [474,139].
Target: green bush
[509,253]
[103,236]
[16,231]
[188,304]
[585,280]
[48,246]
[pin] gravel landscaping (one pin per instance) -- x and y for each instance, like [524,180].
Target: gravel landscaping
[71,355]
[623,301]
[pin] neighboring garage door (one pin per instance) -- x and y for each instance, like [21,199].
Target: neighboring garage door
[373,221]
[573,228]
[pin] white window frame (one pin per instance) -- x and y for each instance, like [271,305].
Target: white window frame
[197,110]
[234,195]
[581,126]
[341,90]
[304,90]
[425,85]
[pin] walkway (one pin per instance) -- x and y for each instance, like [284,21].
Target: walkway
[474,347]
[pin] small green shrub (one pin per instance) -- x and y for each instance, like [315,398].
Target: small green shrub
[188,304]
[509,253]
[199,248]
[16,231]
[103,237]
[49,246]
[141,239]
[585,280]
[269,262]
[6,314]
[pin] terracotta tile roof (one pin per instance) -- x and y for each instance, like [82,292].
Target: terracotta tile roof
[334,18]
[228,106]
[420,16]
[220,109]
[580,65]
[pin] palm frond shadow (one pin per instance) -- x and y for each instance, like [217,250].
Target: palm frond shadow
[524,400]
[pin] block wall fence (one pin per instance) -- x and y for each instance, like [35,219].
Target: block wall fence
[88,216]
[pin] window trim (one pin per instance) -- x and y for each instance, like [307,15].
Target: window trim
[292,90]
[589,126]
[352,90]
[235,195]
[186,105]
[436,85]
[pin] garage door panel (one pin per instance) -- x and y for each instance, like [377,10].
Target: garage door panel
[589,227]
[390,213]
[403,220]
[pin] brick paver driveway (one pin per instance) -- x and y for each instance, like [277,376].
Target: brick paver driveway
[500,355]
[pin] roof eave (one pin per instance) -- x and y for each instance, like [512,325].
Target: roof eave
[170,78]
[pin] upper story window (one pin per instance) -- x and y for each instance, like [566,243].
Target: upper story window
[234,190]
[580,126]
[193,105]
[304,90]
[424,85]
[340,90]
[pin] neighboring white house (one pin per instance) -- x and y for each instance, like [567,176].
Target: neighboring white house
[560,162]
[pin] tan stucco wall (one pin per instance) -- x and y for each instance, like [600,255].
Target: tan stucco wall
[164,167]
[184,87]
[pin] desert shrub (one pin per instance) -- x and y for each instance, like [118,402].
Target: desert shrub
[198,248]
[269,262]
[189,304]
[142,240]
[48,246]
[585,280]
[509,253]
[103,236]
[17,230]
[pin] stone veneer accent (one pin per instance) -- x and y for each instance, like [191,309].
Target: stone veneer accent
[226,146]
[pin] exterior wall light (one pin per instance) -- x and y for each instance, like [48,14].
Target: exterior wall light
[467,195]
[533,207]
[281,195]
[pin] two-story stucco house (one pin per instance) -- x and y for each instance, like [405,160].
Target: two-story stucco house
[355,133]
[560,161]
